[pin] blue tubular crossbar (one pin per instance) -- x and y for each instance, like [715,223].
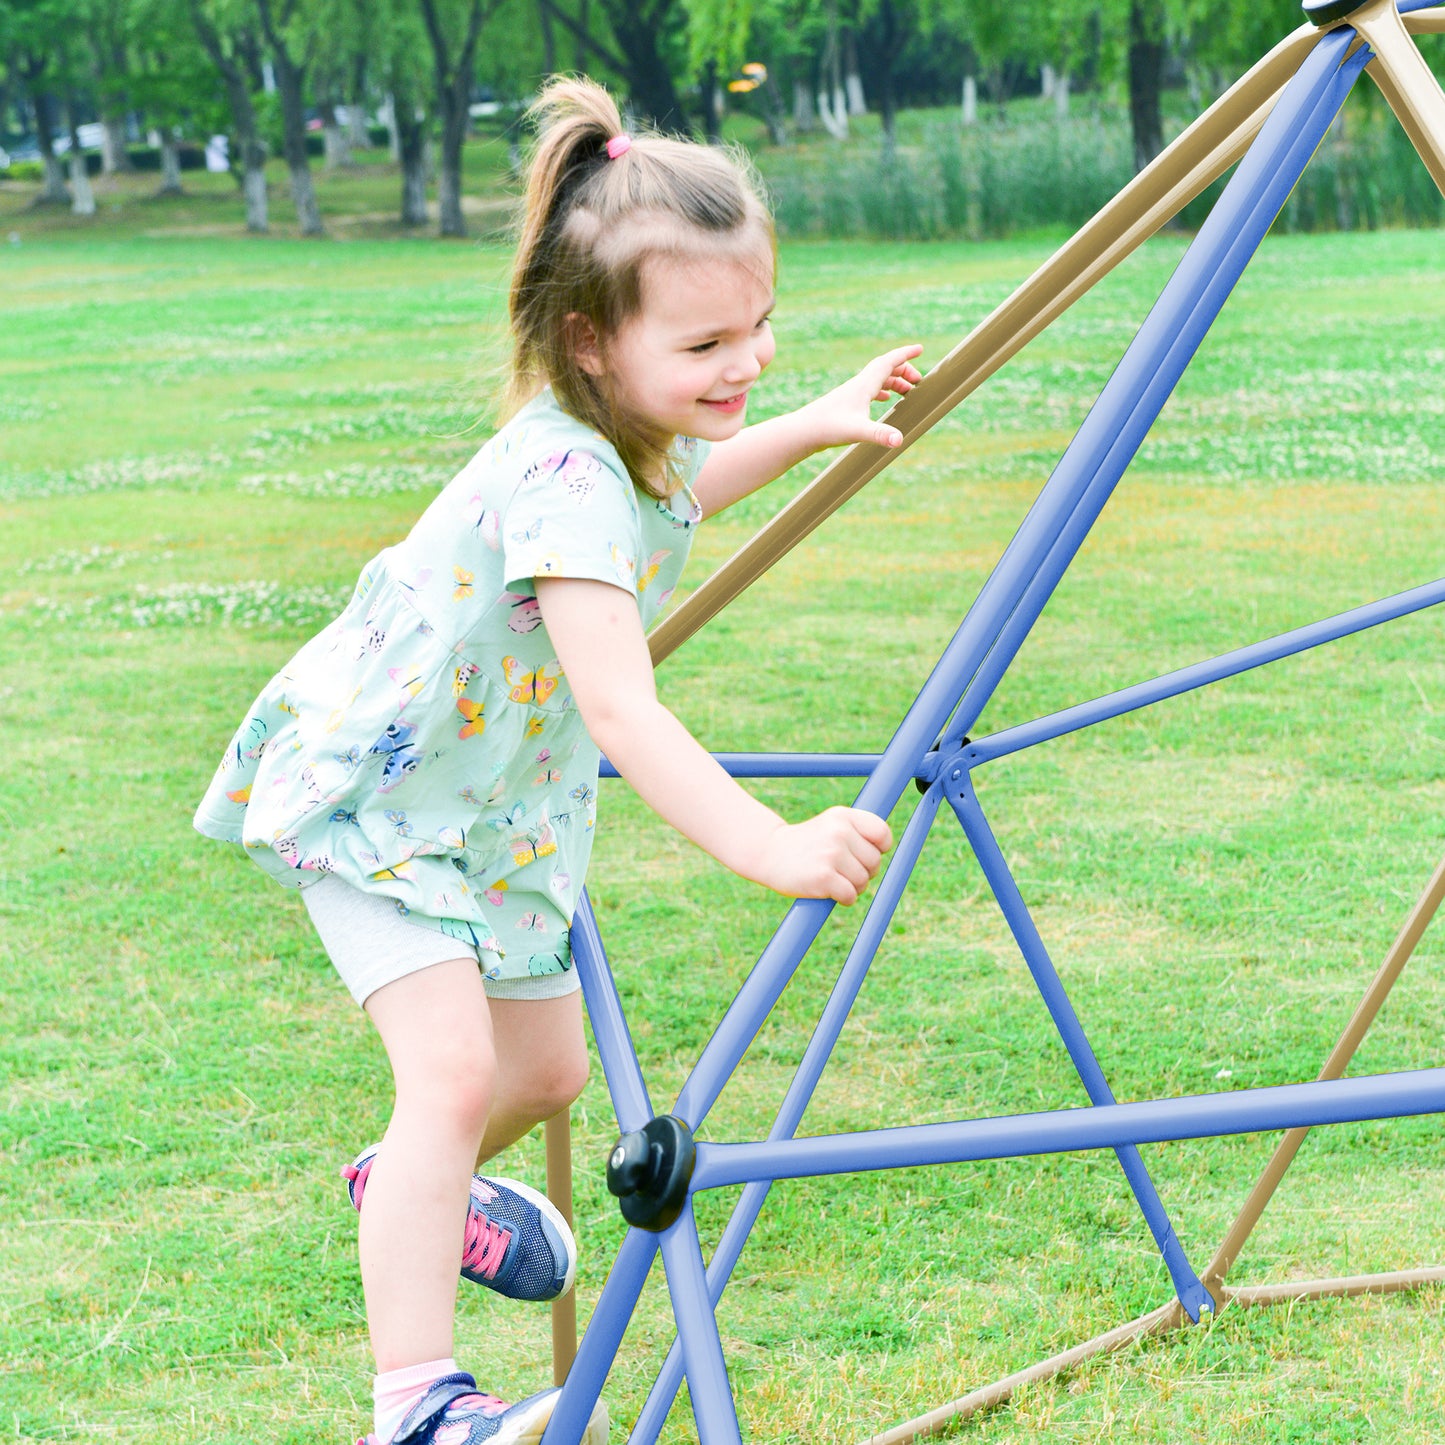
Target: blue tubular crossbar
[1111,1126]
[1186,679]
[786,765]
[931,748]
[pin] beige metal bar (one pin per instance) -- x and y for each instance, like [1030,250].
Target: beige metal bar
[1334,1067]
[1198,156]
[997,1393]
[559,1191]
[1345,1286]
[1406,82]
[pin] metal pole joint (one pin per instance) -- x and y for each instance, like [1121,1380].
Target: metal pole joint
[649,1171]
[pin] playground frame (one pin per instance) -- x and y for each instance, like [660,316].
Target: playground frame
[1267,126]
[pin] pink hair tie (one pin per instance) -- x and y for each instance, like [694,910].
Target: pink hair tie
[619,145]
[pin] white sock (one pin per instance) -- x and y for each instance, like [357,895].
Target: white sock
[397,1392]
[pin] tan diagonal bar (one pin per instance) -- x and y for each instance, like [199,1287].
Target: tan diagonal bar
[1198,156]
[1334,1067]
[988,1396]
[1405,80]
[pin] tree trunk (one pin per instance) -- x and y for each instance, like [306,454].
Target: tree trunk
[454,91]
[388,119]
[53,190]
[290,82]
[852,81]
[832,103]
[450,220]
[253,185]
[638,31]
[113,155]
[357,131]
[549,41]
[802,107]
[82,197]
[583,56]
[336,140]
[411,146]
[82,194]
[773,114]
[1146,64]
[711,104]
[170,164]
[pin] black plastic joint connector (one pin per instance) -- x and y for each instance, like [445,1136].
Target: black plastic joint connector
[1326,12]
[649,1170]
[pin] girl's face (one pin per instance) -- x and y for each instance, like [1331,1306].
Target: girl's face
[684,363]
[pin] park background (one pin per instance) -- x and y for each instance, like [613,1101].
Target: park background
[221,396]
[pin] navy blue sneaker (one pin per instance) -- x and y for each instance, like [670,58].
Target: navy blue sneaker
[515,1241]
[455,1412]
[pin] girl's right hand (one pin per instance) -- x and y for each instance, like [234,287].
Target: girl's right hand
[833,855]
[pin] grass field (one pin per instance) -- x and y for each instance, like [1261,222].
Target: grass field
[201,441]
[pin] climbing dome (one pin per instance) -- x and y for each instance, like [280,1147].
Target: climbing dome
[1267,126]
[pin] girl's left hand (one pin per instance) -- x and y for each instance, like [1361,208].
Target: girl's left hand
[842,414]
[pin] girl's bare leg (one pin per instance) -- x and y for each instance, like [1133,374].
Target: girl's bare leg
[437,1029]
[541,1065]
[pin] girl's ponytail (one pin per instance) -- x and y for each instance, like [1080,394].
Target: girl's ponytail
[575,118]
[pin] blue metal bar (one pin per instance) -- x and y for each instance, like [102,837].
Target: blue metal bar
[785,765]
[609,1025]
[800,1091]
[1131,400]
[713,1408]
[1060,1131]
[603,1338]
[1187,1285]
[1186,679]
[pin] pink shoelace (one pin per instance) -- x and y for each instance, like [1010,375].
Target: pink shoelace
[484,1245]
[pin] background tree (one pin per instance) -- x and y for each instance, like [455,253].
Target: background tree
[173,83]
[227,33]
[290,42]
[38,32]
[402,46]
[645,44]
[1001,33]
[108,30]
[453,28]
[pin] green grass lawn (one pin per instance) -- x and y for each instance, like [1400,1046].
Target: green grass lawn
[202,438]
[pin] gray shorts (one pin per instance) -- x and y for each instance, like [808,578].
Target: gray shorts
[372,944]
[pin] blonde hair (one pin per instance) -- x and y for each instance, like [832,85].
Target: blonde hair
[590,224]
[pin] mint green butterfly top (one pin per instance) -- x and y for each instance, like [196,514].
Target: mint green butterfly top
[425,744]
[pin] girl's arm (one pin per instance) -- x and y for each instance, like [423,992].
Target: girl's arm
[597,631]
[758,454]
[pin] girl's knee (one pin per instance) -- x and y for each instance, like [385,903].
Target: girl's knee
[553,1083]
[456,1082]
[568,1079]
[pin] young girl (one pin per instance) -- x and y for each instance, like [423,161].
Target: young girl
[425,769]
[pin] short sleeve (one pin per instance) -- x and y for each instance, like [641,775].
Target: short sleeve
[571,515]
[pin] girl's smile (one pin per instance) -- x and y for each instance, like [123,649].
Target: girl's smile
[730,405]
